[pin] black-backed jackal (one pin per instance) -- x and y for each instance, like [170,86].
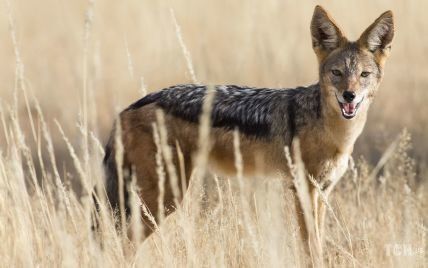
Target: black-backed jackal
[326,118]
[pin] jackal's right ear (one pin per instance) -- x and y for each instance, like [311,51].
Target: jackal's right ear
[326,35]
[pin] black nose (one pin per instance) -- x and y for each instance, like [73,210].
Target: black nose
[349,96]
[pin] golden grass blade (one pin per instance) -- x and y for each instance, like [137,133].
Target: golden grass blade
[183,47]
[168,157]
[385,157]
[303,194]
[204,143]
[119,152]
[161,174]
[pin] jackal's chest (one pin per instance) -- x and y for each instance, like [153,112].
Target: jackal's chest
[324,159]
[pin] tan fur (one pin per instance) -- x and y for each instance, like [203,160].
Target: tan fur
[140,150]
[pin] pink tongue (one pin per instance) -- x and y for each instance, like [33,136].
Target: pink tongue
[349,108]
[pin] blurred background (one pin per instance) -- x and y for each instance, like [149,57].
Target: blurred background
[96,57]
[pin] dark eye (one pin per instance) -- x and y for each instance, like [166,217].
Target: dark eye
[336,72]
[365,74]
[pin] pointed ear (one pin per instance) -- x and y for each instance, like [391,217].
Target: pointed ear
[378,36]
[326,35]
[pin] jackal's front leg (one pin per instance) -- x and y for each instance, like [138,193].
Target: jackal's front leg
[321,190]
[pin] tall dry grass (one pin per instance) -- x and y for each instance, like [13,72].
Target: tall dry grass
[68,67]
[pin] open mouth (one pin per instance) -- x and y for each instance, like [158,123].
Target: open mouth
[349,110]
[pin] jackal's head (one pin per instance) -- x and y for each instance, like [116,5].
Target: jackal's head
[350,72]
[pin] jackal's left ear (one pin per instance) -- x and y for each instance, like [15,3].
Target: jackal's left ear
[378,36]
[326,35]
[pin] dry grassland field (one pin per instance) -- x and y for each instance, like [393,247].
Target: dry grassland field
[68,68]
